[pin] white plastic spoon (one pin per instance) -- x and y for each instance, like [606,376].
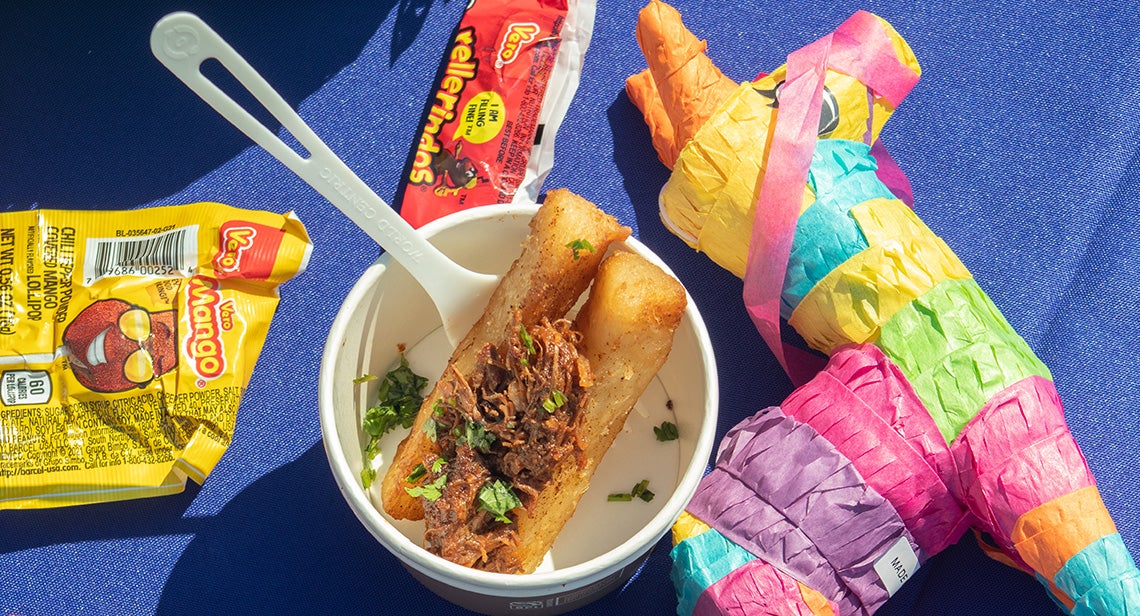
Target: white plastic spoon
[182,41]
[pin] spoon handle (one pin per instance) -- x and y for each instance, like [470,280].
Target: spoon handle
[182,41]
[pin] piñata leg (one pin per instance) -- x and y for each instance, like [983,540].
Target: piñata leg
[688,85]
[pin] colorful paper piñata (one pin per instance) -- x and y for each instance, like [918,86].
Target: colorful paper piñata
[932,417]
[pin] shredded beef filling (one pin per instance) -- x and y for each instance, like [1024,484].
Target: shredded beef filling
[456,528]
[515,419]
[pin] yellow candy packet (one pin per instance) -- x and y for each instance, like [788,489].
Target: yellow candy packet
[126,341]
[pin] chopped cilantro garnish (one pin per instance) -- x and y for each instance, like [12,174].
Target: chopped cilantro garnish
[367,476]
[640,487]
[430,491]
[620,498]
[667,431]
[476,437]
[554,402]
[438,465]
[429,429]
[527,341]
[578,246]
[646,495]
[379,419]
[398,400]
[497,498]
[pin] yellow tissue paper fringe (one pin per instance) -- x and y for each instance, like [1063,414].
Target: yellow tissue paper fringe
[904,259]
[710,198]
[688,526]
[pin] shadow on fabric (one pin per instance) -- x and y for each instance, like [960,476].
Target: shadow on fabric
[137,134]
[147,517]
[289,544]
[410,15]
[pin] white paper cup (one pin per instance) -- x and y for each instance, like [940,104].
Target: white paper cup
[604,542]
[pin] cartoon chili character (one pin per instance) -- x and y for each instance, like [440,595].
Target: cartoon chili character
[114,346]
[454,171]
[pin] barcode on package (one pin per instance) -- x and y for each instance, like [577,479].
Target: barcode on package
[171,254]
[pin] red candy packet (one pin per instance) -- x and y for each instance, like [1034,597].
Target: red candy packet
[502,90]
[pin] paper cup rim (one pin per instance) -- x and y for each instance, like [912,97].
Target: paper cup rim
[465,578]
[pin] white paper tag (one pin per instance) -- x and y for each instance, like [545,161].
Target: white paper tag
[897,565]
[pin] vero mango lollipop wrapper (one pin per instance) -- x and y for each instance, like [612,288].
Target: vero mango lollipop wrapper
[127,340]
[932,416]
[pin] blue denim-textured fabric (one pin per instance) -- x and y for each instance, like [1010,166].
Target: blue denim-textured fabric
[1020,142]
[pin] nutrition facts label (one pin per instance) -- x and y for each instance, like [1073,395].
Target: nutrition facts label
[19,387]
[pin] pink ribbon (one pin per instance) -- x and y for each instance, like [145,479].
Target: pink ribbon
[861,48]
[890,174]
[754,589]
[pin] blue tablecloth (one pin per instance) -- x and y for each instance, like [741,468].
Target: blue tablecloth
[1020,142]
